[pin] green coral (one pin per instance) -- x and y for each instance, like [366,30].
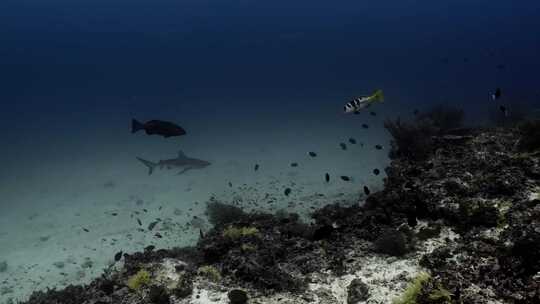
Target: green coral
[235,233]
[138,280]
[440,295]
[210,272]
[413,290]
[248,248]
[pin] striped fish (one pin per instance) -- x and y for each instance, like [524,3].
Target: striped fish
[359,103]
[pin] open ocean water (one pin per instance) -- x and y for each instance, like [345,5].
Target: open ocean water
[255,85]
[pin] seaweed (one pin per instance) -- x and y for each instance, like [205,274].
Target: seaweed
[443,118]
[138,280]
[413,289]
[410,140]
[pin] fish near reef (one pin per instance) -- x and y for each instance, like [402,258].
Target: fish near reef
[327,177]
[343,146]
[359,103]
[345,178]
[157,127]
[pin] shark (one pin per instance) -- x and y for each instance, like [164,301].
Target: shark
[182,161]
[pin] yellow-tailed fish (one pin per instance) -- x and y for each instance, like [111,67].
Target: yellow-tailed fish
[359,103]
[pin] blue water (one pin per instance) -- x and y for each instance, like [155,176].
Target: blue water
[251,82]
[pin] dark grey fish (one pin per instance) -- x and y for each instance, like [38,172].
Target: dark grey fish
[287,191]
[376,171]
[294,164]
[352,141]
[373,113]
[345,178]
[365,126]
[504,110]
[86,230]
[256,167]
[139,221]
[152,225]
[149,248]
[378,147]
[343,146]
[327,177]
[158,127]
[230,184]
[366,190]
[118,256]
[312,154]
[158,235]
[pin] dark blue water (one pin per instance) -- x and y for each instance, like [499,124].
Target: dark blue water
[245,75]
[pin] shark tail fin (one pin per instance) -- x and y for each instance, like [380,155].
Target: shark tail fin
[149,164]
[136,126]
[378,96]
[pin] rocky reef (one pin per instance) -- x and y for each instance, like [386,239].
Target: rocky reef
[458,221]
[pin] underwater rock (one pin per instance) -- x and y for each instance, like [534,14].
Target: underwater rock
[158,295]
[357,292]
[237,296]
[392,243]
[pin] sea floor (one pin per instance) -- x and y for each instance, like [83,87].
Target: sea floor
[63,220]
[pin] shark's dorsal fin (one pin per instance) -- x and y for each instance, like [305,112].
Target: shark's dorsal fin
[181,154]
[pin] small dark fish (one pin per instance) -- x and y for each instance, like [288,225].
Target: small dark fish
[352,141]
[158,235]
[230,184]
[146,211]
[504,110]
[201,234]
[376,171]
[149,248]
[327,177]
[378,147]
[411,218]
[139,221]
[159,127]
[373,113]
[345,178]
[256,167]
[86,230]
[114,214]
[366,190]
[343,146]
[287,191]
[118,256]
[465,59]
[312,154]
[294,164]
[152,225]
[365,126]
[415,112]
[496,95]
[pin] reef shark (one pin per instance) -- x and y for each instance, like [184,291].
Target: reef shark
[182,161]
